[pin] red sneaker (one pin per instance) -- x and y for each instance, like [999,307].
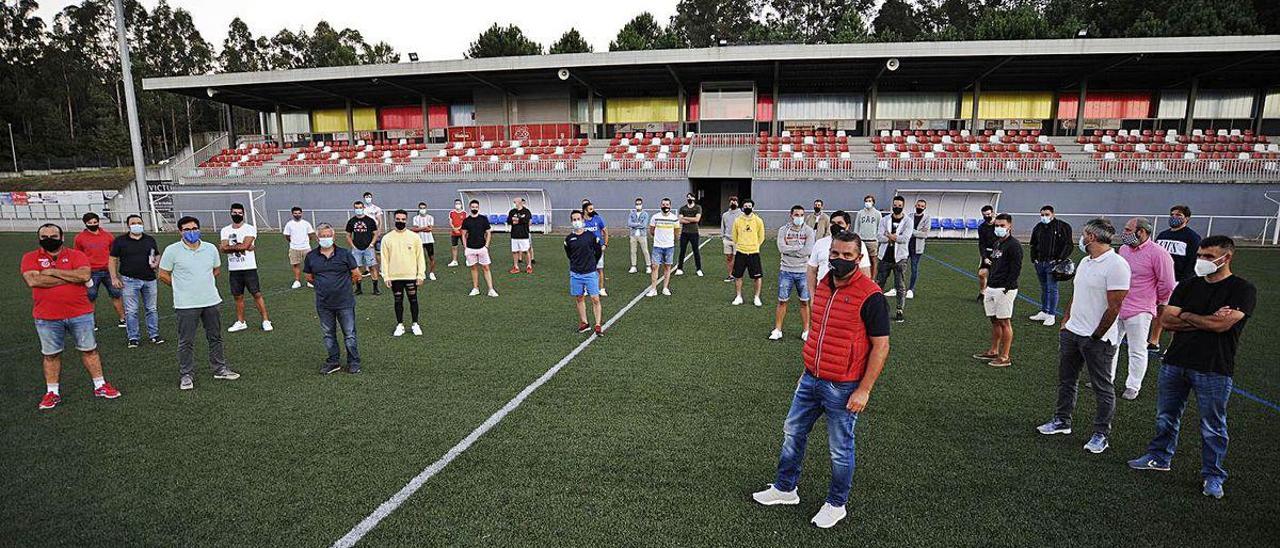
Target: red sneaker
[583,327]
[599,331]
[528,270]
[50,401]
[106,391]
[514,270]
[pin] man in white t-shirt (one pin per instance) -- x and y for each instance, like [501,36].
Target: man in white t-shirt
[237,243]
[1089,334]
[820,258]
[298,233]
[662,230]
[423,224]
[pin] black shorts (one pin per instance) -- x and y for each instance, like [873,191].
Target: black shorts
[399,286]
[430,249]
[455,241]
[747,263]
[242,280]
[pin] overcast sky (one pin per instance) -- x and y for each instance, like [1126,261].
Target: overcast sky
[433,29]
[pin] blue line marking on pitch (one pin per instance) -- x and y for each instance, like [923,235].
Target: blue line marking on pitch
[1236,389]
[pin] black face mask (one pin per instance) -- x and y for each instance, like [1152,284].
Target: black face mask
[591,214]
[400,225]
[919,210]
[237,219]
[475,211]
[747,210]
[297,217]
[897,211]
[987,218]
[50,244]
[690,201]
[836,230]
[840,268]
[91,228]
[733,205]
[817,210]
[665,209]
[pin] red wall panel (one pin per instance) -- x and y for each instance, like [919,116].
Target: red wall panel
[1107,105]
[764,108]
[437,116]
[400,117]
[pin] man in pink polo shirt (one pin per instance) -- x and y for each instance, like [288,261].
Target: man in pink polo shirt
[1150,285]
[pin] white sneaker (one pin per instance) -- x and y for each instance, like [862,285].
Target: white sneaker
[648,270]
[804,336]
[666,291]
[772,496]
[1050,320]
[603,293]
[399,330]
[699,273]
[679,272]
[737,300]
[492,293]
[416,330]
[891,293]
[652,292]
[911,294]
[1038,317]
[632,270]
[775,335]
[309,285]
[266,325]
[828,516]
[432,276]
[238,326]
[453,263]
[296,284]
[757,302]
[474,291]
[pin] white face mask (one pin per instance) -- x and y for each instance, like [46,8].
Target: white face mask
[579,225]
[1045,219]
[422,211]
[797,221]
[1084,248]
[1205,267]
[869,205]
[1002,231]
[457,207]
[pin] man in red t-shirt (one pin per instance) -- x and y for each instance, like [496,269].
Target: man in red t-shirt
[57,277]
[455,230]
[95,242]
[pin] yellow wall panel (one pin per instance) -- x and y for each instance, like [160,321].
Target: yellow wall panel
[629,110]
[1000,105]
[334,120]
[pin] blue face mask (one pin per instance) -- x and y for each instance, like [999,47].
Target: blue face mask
[191,236]
[135,229]
[326,242]
[359,212]
[1175,222]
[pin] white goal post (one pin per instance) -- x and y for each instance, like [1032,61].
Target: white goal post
[212,207]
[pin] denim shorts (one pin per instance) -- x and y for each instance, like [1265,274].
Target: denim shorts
[364,257]
[663,255]
[584,284]
[789,280]
[53,334]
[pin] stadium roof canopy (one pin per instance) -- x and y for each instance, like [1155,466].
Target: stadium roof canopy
[1218,62]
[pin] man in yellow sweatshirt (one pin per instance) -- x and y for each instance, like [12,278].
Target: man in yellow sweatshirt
[404,268]
[748,235]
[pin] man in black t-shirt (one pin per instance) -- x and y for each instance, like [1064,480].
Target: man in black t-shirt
[986,237]
[362,230]
[1002,291]
[132,266]
[519,218]
[1207,316]
[583,251]
[476,235]
[690,216]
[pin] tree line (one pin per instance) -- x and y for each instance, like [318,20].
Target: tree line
[61,89]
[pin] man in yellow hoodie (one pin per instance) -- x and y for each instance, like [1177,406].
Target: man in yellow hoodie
[404,268]
[748,235]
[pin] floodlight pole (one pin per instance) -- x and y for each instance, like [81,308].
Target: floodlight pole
[13,147]
[131,106]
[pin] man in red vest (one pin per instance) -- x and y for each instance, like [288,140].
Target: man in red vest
[844,355]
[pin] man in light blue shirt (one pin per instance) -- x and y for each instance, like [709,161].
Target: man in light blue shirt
[638,222]
[191,267]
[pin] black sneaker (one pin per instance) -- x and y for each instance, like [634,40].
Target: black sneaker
[358,291]
[121,325]
[133,343]
[329,368]
[375,290]
[157,340]
[353,369]
[899,318]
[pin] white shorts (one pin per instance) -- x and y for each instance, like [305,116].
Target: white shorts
[600,263]
[999,304]
[729,247]
[519,245]
[477,256]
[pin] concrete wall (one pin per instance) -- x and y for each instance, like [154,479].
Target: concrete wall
[614,198]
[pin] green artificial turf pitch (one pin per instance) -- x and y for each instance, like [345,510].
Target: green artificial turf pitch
[655,435]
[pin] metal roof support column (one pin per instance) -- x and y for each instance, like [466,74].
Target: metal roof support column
[1191,105]
[591,113]
[426,125]
[506,116]
[351,124]
[279,126]
[973,115]
[1084,87]
[869,112]
[682,102]
[231,125]
[1259,106]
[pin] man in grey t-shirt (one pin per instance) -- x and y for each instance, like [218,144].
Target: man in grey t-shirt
[726,235]
[795,243]
[866,223]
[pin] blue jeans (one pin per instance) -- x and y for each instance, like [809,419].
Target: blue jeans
[102,279]
[814,397]
[136,290]
[1212,391]
[1048,287]
[330,320]
[53,334]
[915,266]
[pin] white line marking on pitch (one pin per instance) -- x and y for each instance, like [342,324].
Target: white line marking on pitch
[386,508]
